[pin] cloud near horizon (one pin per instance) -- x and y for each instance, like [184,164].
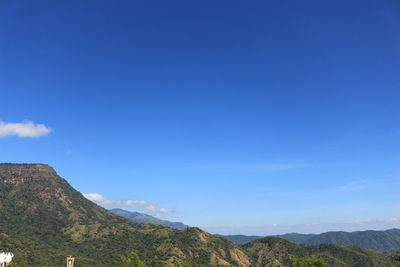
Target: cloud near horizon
[26,129]
[102,201]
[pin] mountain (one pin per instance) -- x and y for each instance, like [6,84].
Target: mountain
[43,220]
[241,239]
[275,251]
[388,240]
[379,240]
[144,218]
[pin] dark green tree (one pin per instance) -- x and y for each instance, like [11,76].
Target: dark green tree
[309,262]
[395,257]
[132,260]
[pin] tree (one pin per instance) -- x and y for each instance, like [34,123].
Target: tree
[132,260]
[395,257]
[310,262]
[185,264]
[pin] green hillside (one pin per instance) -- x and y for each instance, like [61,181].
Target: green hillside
[43,216]
[274,251]
[43,219]
[385,241]
[388,240]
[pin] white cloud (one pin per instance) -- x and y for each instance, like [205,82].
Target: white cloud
[23,129]
[102,201]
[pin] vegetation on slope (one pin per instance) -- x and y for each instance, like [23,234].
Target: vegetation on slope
[274,251]
[132,260]
[43,216]
[388,240]
[43,220]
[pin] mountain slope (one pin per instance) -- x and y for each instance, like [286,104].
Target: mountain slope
[241,239]
[388,240]
[46,219]
[43,219]
[144,218]
[384,240]
[274,251]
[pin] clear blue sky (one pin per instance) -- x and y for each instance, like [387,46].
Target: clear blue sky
[240,116]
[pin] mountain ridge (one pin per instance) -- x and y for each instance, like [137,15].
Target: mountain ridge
[41,210]
[44,219]
[145,218]
[388,240]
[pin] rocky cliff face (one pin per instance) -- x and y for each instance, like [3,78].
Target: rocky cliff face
[23,173]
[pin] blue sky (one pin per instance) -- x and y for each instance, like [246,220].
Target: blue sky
[252,117]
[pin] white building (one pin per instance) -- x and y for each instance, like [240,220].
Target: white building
[5,258]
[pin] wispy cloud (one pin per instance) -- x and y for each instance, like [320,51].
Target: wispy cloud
[164,210]
[102,201]
[352,186]
[23,129]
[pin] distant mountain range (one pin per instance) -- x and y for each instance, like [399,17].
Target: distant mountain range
[145,218]
[378,240]
[43,220]
[388,240]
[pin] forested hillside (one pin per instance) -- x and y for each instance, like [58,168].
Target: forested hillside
[44,219]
